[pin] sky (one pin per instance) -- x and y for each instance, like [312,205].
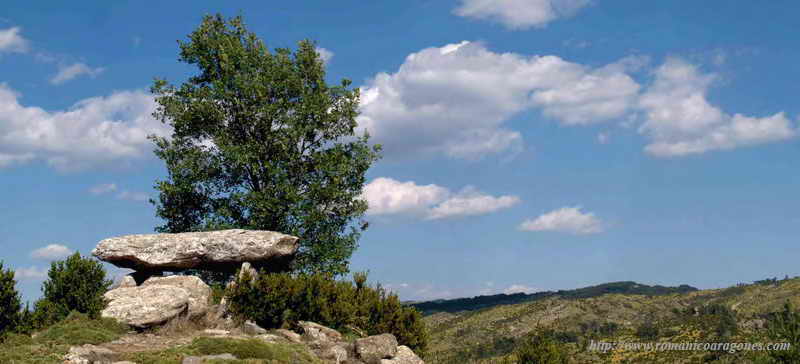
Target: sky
[528,144]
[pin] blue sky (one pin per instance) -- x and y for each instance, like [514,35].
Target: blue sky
[529,144]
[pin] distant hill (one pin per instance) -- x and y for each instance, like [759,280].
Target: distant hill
[480,302]
[485,329]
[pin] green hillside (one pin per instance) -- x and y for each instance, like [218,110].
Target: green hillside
[488,334]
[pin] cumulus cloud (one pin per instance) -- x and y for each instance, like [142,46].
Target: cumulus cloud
[519,288]
[94,131]
[103,188]
[680,121]
[69,72]
[567,219]
[30,273]
[520,14]
[453,100]
[12,41]
[325,54]
[387,196]
[51,252]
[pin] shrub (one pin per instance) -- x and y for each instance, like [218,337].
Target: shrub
[10,304]
[74,284]
[541,347]
[784,327]
[647,331]
[282,299]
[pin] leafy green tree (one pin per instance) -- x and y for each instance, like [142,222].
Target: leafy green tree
[73,284]
[261,141]
[10,303]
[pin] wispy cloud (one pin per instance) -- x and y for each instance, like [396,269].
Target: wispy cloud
[51,252]
[69,72]
[30,273]
[103,188]
[567,219]
[387,196]
[325,54]
[520,14]
[133,196]
[11,41]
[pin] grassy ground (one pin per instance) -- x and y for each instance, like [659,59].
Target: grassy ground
[248,351]
[50,345]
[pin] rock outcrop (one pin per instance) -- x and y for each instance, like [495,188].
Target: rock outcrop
[146,306]
[223,250]
[199,292]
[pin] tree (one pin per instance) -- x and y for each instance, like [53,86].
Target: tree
[784,327]
[74,284]
[541,347]
[260,141]
[10,303]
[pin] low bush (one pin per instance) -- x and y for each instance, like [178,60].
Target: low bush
[784,327]
[10,304]
[282,299]
[541,347]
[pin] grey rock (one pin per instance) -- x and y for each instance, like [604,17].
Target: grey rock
[270,338]
[199,291]
[331,352]
[223,250]
[404,356]
[289,335]
[372,349]
[126,281]
[216,332]
[202,359]
[88,354]
[251,328]
[146,306]
[316,332]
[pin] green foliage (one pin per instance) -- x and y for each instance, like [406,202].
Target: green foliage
[541,347]
[281,300]
[10,304]
[74,284]
[647,331]
[784,327]
[261,141]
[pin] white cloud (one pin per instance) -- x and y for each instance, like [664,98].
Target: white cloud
[453,100]
[95,131]
[103,188]
[387,196]
[30,273]
[51,252]
[680,121]
[520,14]
[325,54]
[69,72]
[603,137]
[471,202]
[11,41]
[133,196]
[519,288]
[567,219]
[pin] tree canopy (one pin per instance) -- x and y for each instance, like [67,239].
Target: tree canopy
[261,141]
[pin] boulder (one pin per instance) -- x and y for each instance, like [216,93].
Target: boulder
[223,250]
[88,354]
[199,291]
[146,306]
[251,328]
[289,335]
[316,332]
[404,356]
[372,349]
[126,281]
[203,359]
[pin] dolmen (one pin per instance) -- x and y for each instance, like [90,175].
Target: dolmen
[147,298]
